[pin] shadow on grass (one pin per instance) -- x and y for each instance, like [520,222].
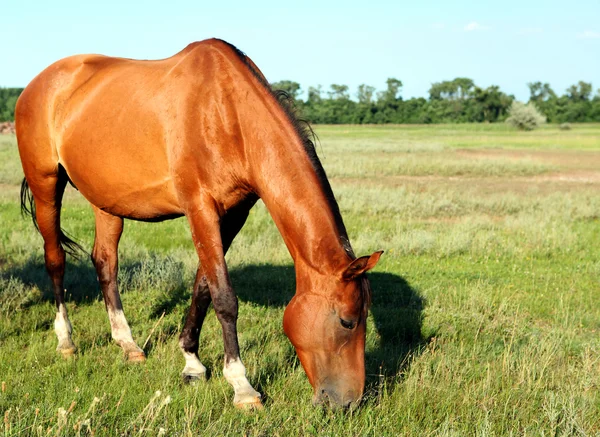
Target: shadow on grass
[396,309]
[80,280]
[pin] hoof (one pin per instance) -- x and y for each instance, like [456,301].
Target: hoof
[254,404]
[248,400]
[136,357]
[194,378]
[68,352]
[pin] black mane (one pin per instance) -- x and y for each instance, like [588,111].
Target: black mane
[308,138]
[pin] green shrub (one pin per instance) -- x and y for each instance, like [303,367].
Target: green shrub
[564,126]
[14,295]
[524,116]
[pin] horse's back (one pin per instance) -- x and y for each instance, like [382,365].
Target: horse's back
[113,123]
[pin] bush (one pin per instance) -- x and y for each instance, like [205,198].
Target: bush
[564,126]
[525,116]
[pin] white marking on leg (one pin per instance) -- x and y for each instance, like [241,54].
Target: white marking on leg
[235,373]
[63,329]
[193,366]
[121,332]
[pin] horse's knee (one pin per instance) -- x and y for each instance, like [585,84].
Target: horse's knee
[226,305]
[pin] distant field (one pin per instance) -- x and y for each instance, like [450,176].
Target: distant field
[485,317]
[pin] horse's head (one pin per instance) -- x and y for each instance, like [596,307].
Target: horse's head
[326,323]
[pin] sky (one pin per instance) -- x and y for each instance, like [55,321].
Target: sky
[507,43]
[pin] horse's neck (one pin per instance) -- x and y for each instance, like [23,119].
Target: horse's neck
[300,203]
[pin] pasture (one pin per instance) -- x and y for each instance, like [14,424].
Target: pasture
[485,316]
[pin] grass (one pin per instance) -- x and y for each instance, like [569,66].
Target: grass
[485,320]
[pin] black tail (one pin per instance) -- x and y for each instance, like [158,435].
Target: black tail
[27,203]
[28,208]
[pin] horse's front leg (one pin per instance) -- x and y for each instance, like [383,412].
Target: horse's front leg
[189,340]
[206,232]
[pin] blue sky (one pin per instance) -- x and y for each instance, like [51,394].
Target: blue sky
[506,43]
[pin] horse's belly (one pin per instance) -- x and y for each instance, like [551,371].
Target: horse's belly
[150,202]
[124,180]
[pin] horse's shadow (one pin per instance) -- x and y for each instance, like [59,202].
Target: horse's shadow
[396,306]
[396,309]
[80,282]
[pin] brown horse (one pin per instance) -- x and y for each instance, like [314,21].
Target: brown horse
[199,134]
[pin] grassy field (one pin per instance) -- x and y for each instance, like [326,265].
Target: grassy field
[485,320]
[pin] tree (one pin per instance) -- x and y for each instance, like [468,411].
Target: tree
[365,93]
[8,100]
[463,85]
[539,92]
[392,93]
[441,90]
[491,104]
[459,88]
[314,94]
[580,92]
[338,92]
[289,86]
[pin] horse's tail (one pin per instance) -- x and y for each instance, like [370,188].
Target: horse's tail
[28,208]
[27,203]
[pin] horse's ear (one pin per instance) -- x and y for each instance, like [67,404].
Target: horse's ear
[361,265]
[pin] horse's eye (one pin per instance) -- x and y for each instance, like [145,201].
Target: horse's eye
[348,324]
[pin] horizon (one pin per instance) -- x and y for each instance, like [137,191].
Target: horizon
[419,45]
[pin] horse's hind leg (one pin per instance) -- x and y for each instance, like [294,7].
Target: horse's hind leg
[105,257]
[47,193]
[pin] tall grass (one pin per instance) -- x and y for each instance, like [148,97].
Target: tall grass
[485,318]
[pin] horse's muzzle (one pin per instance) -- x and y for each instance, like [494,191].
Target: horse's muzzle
[329,396]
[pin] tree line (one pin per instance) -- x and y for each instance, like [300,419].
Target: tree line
[8,100]
[453,101]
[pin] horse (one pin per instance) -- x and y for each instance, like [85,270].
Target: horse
[203,135]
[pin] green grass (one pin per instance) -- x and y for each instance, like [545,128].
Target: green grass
[421,137]
[485,320]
